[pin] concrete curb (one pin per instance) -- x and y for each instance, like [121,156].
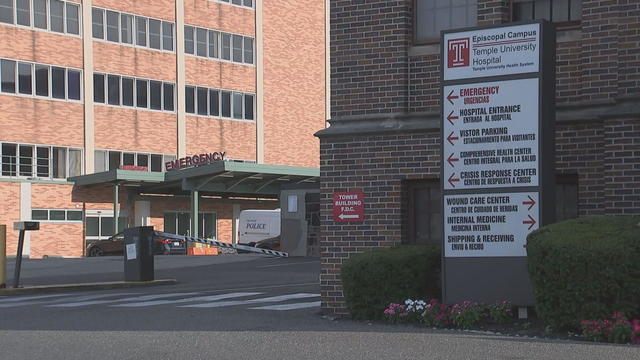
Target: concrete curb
[44,289]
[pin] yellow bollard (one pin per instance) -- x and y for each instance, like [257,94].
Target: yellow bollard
[3,256]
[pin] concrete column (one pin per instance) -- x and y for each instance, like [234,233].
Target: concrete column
[142,213]
[259,84]
[87,71]
[180,81]
[234,223]
[25,215]
[327,61]
[116,213]
[195,209]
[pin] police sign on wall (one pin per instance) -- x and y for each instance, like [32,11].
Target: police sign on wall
[497,172]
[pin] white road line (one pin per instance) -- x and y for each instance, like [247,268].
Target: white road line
[22,298]
[54,300]
[303,305]
[192,299]
[289,264]
[138,298]
[253,301]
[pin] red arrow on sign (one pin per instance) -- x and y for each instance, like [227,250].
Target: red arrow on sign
[451,160]
[529,222]
[451,137]
[530,202]
[452,180]
[452,97]
[451,117]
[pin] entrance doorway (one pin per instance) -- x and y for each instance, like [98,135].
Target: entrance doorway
[179,222]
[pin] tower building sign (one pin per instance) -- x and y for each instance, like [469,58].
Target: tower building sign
[497,174]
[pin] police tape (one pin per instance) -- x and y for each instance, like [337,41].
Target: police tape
[220,244]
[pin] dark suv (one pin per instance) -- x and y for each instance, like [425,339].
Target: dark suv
[115,246]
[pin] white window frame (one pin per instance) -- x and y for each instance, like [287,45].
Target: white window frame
[99,214]
[50,82]
[66,215]
[135,93]
[200,231]
[34,161]
[48,29]
[105,154]
[135,30]
[229,2]
[219,45]
[232,93]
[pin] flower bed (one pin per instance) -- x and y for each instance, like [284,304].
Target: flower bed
[470,315]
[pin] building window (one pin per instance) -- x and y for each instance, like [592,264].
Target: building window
[558,11]
[40,161]
[52,15]
[141,31]
[226,46]
[17,78]
[219,103]
[424,220]
[99,224]
[566,197]
[243,3]
[119,90]
[433,16]
[23,12]
[106,160]
[210,43]
[180,223]
[121,28]
[56,215]
[167,36]
[126,28]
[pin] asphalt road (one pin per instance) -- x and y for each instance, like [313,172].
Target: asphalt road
[230,307]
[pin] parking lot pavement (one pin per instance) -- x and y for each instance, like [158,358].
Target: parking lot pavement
[111,268]
[236,307]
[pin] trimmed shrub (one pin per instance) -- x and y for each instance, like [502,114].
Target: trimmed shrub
[373,279]
[585,268]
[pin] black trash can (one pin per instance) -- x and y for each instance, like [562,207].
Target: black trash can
[138,254]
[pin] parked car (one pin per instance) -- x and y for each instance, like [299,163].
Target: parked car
[114,245]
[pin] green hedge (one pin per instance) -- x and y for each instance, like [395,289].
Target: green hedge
[373,279]
[586,268]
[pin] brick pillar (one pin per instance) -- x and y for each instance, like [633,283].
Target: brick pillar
[599,49]
[622,165]
[492,12]
[629,48]
[369,67]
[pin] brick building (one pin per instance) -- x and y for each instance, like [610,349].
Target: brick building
[384,136]
[124,87]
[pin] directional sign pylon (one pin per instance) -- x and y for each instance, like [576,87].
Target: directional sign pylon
[529,222]
[452,159]
[453,179]
[451,97]
[452,117]
[529,202]
[452,137]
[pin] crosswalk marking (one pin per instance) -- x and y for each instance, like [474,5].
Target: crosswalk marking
[303,305]
[59,299]
[252,301]
[192,299]
[23,298]
[214,299]
[138,298]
